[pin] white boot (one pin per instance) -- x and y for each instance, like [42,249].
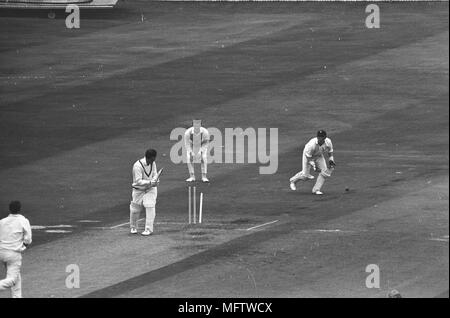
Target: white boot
[293,187]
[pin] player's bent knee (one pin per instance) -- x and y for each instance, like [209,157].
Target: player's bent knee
[135,208]
[302,176]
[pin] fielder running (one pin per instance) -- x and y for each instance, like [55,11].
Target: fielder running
[15,237]
[196,141]
[145,182]
[313,157]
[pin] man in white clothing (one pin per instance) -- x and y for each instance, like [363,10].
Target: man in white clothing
[313,157]
[144,192]
[15,236]
[196,141]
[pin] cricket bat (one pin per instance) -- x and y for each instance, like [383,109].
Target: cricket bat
[159,174]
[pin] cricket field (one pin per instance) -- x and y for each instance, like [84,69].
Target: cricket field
[79,106]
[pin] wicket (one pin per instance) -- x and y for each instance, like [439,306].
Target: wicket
[192,201]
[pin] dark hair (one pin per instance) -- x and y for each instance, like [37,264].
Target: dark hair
[321,133]
[150,153]
[14,207]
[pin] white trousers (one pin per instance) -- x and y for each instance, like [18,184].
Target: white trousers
[200,157]
[143,200]
[305,175]
[13,262]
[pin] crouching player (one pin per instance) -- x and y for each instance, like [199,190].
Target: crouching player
[144,192]
[196,141]
[313,157]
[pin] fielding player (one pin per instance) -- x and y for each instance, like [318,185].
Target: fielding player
[15,236]
[144,192]
[313,157]
[196,140]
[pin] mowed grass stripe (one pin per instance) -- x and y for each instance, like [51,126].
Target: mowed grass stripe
[125,49]
[146,97]
[73,175]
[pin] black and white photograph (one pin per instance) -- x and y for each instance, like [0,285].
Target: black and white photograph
[224,154]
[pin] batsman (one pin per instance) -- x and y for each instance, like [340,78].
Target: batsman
[314,158]
[145,182]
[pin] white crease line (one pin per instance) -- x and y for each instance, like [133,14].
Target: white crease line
[439,239]
[186,223]
[174,223]
[99,228]
[43,227]
[119,225]
[57,231]
[331,231]
[261,225]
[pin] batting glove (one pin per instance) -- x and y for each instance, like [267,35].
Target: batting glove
[332,163]
[154,183]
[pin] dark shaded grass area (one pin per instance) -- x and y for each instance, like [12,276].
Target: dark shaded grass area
[34,128]
[264,197]
[48,125]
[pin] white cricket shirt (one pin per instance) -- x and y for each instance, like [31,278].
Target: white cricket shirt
[193,141]
[15,231]
[312,148]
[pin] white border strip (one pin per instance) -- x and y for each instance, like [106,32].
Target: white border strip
[303,0]
[438,239]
